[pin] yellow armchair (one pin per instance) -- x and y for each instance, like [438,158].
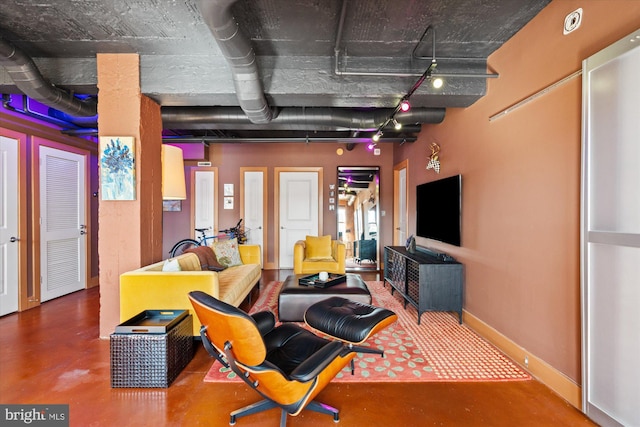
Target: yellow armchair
[316,254]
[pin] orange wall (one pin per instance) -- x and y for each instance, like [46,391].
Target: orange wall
[521,181]
[229,158]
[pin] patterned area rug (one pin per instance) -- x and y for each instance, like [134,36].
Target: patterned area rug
[439,349]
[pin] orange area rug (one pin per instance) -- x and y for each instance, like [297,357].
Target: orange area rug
[439,349]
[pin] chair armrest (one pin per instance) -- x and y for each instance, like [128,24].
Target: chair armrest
[339,253]
[311,367]
[298,256]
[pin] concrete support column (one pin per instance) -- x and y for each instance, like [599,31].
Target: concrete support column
[130,232]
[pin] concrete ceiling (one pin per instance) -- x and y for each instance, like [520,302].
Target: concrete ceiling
[314,58]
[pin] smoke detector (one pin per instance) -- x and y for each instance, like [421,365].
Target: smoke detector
[572,21]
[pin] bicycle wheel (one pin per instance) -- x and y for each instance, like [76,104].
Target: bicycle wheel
[183,245]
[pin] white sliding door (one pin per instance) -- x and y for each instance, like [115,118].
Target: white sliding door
[611,234]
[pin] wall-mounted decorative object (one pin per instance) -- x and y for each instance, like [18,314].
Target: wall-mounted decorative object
[172,205]
[228,189]
[117,168]
[228,202]
[434,161]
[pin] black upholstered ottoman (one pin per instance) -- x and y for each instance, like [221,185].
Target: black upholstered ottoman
[294,299]
[349,321]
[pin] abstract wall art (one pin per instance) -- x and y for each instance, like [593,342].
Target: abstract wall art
[117,167]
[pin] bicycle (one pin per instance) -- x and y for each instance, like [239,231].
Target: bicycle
[202,239]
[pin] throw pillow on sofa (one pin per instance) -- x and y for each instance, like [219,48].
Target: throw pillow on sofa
[207,258]
[171,265]
[227,252]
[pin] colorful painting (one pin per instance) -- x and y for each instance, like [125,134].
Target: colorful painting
[117,168]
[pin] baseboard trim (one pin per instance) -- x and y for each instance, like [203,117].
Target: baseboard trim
[93,282]
[538,368]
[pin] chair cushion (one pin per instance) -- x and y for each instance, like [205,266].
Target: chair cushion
[289,345]
[227,252]
[318,247]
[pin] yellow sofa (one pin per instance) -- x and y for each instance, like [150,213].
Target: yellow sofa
[150,288]
[335,263]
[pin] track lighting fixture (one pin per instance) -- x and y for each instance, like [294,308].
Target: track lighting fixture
[405,105]
[377,136]
[437,83]
[396,124]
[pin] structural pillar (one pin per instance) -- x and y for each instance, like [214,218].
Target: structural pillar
[130,232]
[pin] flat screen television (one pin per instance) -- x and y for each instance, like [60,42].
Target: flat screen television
[438,210]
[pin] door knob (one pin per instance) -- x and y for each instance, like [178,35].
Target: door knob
[13,239]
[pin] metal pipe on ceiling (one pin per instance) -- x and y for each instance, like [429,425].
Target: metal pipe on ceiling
[28,79]
[236,48]
[221,140]
[295,118]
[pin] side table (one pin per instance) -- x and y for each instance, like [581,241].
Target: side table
[148,351]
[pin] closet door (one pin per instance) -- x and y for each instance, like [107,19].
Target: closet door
[253,207]
[63,232]
[205,213]
[611,234]
[9,228]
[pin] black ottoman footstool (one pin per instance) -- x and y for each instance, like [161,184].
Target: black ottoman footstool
[294,299]
[349,321]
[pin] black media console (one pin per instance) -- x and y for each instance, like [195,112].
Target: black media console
[429,281]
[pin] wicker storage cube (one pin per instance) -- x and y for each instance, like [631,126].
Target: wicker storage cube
[151,359]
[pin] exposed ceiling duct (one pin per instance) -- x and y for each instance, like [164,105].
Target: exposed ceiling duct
[28,79]
[237,50]
[261,69]
[293,118]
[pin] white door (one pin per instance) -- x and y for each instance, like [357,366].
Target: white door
[253,207]
[298,210]
[8,225]
[400,208]
[204,201]
[62,223]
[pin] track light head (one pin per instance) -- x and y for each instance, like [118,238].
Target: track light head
[404,105]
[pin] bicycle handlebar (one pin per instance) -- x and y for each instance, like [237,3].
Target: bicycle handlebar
[232,229]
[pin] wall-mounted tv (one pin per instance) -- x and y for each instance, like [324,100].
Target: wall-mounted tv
[438,210]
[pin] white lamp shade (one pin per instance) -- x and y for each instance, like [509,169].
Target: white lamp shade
[173,186]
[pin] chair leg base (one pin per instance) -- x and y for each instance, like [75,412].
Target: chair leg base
[265,405]
[362,349]
[254,408]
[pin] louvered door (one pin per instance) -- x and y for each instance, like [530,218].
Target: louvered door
[62,223]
